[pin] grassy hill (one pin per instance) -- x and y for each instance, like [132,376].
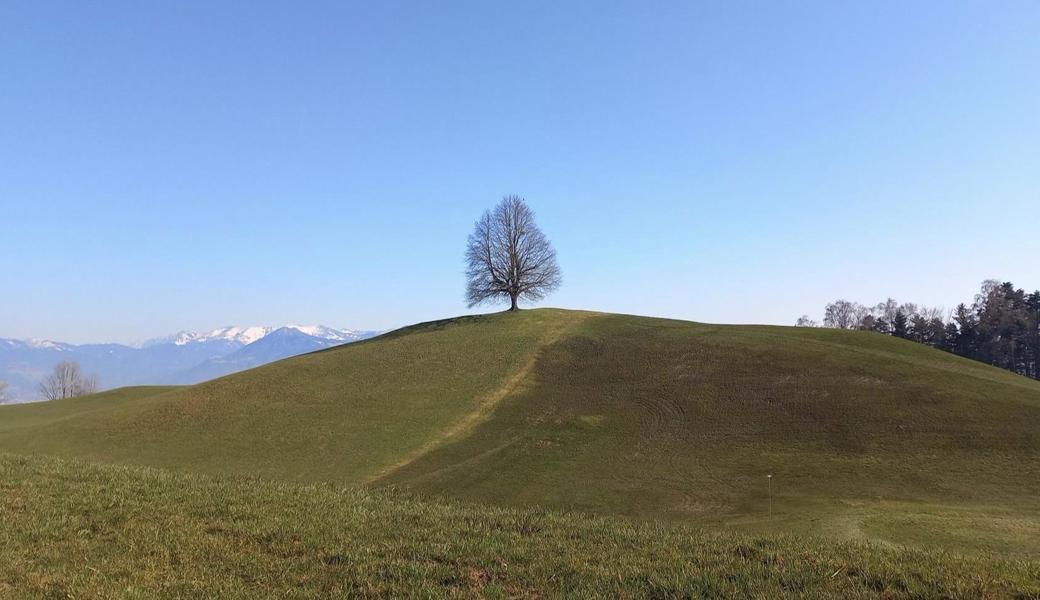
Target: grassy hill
[92,531]
[868,437]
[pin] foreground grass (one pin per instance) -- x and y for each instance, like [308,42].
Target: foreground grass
[73,529]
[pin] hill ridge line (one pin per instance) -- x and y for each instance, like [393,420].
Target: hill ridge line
[486,406]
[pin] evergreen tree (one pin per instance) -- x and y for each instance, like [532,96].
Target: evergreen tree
[967,326]
[899,324]
[1033,334]
[918,330]
[950,336]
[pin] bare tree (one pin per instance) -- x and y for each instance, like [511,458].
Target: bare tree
[806,321]
[909,309]
[887,310]
[67,381]
[988,288]
[843,314]
[88,385]
[931,313]
[859,313]
[507,256]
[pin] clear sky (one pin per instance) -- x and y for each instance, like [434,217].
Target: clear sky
[187,165]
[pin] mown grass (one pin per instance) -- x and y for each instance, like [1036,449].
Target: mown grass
[78,530]
[867,437]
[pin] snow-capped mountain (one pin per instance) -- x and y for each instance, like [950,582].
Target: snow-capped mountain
[276,345]
[182,358]
[248,335]
[327,333]
[37,344]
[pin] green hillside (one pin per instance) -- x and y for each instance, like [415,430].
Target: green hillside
[74,530]
[868,437]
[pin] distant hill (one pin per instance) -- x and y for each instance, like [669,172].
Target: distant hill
[184,357]
[866,436]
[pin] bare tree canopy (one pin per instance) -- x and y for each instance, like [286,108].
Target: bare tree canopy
[842,314]
[67,381]
[806,321]
[509,257]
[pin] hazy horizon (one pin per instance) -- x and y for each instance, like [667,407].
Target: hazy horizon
[192,166]
[817,315]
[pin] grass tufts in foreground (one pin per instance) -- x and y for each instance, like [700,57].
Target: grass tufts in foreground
[73,529]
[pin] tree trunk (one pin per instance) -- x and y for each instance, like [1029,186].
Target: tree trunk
[512,302]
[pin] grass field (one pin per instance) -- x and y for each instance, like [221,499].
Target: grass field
[869,438]
[92,531]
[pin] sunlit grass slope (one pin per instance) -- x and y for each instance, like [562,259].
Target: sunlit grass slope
[868,437]
[345,414]
[75,530]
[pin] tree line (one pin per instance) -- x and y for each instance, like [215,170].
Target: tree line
[1000,327]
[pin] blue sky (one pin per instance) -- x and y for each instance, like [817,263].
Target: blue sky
[191,165]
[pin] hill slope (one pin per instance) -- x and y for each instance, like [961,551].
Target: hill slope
[867,436]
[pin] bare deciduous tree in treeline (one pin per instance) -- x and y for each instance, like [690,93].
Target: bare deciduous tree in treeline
[842,314]
[508,256]
[806,321]
[67,381]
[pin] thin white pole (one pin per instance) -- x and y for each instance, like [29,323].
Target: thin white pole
[770,479]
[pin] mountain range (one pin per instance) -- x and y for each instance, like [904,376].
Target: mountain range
[185,357]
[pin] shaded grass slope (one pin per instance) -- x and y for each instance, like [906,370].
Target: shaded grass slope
[78,530]
[868,437]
